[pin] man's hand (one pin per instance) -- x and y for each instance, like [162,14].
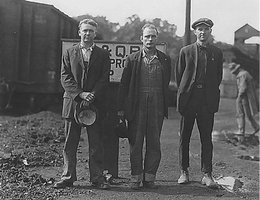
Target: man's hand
[87,96]
[84,103]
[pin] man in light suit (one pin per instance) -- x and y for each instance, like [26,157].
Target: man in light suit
[84,76]
[198,76]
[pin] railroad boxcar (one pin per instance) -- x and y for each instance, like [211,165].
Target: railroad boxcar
[30,50]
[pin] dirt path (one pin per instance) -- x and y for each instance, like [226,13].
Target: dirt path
[226,162]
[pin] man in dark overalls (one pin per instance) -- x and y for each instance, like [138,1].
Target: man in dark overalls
[143,102]
[198,76]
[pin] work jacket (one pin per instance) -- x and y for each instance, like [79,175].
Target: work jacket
[128,94]
[185,73]
[246,89]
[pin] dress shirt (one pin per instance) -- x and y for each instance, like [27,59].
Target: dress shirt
[202,63]
[147,59]
[86,52]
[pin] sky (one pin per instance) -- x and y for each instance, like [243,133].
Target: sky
[227,15]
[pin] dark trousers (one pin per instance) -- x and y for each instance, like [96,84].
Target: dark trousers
[147,125]
[72,131]
[196,110]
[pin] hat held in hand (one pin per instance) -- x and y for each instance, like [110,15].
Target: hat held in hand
[85,113]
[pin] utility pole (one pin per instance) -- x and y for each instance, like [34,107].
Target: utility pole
[187,39]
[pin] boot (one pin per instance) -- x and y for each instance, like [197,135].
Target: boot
[149,185]
[62,184]
[135,185]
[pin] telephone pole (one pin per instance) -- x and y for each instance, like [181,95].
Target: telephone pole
[187,38]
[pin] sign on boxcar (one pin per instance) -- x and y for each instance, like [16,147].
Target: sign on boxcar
[118,53]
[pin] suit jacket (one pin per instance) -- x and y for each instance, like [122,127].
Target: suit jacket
[185,73]
[129,84]
[72,69]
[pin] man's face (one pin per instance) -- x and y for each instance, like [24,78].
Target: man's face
[202,32]
[149,38]
[87,33]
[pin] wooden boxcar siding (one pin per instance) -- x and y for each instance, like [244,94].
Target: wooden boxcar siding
[32,44]
[9,38]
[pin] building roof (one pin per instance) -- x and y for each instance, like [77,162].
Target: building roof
[246,32]
[50,7]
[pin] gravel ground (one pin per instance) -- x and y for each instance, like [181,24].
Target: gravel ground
[31,161]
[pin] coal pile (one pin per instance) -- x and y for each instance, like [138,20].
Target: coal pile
[29,142]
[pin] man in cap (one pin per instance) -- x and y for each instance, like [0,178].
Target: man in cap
[84,77]
[247,102]
[198,76]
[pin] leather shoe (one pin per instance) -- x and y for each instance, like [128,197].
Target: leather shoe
[149,185]
[135,185]
[184,178]
[102,186]
[62,184]
[208,181]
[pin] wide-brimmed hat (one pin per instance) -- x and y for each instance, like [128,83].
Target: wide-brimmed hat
[85,114]
[233,67]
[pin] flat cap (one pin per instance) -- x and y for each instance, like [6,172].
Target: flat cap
[200,21]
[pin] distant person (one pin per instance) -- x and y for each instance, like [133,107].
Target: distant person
[84,77]
[143,103]
[198,76]
[247,103]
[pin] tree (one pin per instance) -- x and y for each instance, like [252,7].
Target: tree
[131,31]
[106,29]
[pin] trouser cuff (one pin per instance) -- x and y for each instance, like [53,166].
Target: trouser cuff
[137,178]
[149,177]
